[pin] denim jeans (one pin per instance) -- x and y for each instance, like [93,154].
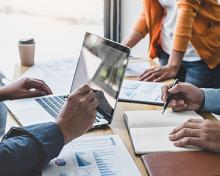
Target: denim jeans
[196,73]
[3,118]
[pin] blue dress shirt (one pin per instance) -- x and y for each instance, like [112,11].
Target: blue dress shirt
[25,151]
[212,100]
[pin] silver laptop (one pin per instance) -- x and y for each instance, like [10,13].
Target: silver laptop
[101,65]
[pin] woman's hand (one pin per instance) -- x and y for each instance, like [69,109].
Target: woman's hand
[157,74]
[24,88]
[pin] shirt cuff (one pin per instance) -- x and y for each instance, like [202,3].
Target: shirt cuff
[212,100]
[47,135]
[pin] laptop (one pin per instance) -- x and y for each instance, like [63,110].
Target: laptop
[101,65]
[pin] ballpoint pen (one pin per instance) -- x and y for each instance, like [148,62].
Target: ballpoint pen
[170,96]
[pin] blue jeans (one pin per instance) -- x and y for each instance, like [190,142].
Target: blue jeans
[196,73]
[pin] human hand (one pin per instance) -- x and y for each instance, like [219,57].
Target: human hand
[157,74]
[186,97]
[198,132]
[24,88]
[78,113]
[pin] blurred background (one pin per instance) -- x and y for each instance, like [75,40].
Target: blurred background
[58,27]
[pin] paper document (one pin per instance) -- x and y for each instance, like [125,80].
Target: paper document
[136,67]
[58,74]
[141,92]
[93,156]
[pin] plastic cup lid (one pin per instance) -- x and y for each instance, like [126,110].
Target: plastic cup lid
[26,41]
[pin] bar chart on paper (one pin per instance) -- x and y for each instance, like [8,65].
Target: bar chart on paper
[94,156]
[141,92]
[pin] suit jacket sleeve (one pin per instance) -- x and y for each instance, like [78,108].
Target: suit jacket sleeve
[25,151]
[212,100]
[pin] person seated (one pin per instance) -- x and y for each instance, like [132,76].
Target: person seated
[26,150]
[203,133]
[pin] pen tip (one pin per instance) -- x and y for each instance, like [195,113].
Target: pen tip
[163,111]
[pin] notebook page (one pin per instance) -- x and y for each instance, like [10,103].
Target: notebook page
[154,118]
[147,140]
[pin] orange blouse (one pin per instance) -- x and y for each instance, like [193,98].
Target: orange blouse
[198,21]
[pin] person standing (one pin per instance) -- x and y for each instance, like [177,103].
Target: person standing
[185,35]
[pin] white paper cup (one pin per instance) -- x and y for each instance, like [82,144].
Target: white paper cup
[27,52]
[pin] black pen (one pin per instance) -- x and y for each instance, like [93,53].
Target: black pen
[170,96]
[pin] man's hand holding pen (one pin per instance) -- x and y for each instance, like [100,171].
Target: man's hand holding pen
[203,133]
[169,97]
[185,97]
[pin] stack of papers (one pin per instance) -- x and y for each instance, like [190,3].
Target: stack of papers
[93,156]
[57,74]
[136,67]
[141,92]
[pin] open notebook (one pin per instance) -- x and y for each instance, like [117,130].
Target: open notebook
[149,130]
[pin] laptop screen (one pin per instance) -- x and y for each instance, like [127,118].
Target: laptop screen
[101,65]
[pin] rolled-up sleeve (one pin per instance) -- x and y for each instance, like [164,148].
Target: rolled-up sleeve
[25,151]
[187,11]
[212,100]
[141,24]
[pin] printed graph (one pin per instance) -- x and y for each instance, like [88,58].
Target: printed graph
[104,162]
[81,161]
[93,156]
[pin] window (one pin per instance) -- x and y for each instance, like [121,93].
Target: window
[58,27]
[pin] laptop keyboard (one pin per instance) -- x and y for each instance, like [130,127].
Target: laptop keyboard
[54,104]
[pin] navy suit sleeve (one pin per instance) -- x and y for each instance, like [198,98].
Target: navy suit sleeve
[25,151]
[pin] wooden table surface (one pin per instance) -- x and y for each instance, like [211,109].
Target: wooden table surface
[117,126]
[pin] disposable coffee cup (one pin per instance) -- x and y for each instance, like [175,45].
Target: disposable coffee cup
[3,118]
[27,51]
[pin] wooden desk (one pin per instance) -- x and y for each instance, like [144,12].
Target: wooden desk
[117,126]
